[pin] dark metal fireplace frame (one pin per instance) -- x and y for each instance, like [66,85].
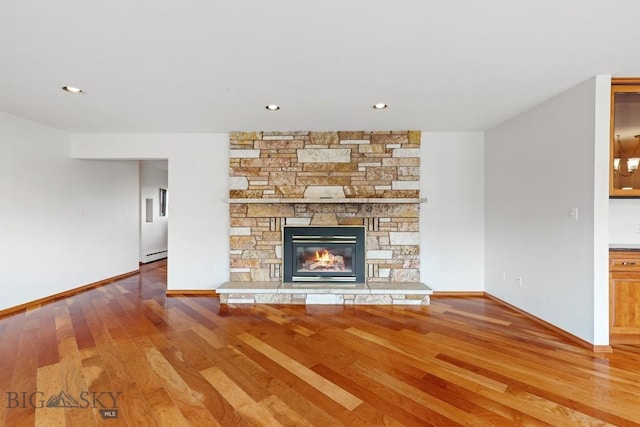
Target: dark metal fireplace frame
[352,237]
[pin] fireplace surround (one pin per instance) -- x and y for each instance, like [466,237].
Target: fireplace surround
[285,180]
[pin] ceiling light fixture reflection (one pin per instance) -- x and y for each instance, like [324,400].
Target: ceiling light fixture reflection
[380,106]
[625,164]
[272,107]
[73,90]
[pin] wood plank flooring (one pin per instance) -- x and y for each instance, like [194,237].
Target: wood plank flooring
[125,355]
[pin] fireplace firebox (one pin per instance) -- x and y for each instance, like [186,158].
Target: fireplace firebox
[324,254]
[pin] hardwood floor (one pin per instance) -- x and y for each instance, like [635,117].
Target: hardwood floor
[124,354]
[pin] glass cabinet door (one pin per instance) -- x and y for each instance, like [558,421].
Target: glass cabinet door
[624,170]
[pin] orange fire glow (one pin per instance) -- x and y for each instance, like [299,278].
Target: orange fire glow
[324,258]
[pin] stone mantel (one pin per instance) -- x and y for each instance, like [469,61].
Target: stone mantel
[329,200]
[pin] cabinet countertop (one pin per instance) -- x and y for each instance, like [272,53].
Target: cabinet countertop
[622,247]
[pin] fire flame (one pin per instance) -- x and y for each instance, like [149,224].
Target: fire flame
[324,258]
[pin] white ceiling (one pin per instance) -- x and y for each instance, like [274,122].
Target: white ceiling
[212,66]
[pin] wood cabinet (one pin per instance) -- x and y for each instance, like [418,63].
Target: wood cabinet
[624,297]
[624,170]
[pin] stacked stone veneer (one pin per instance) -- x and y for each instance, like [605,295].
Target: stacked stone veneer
[369,179]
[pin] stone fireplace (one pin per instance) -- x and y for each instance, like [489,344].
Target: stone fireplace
[282,181]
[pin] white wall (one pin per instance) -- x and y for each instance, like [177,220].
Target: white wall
[624,214]
[537,167]
[452,220]
[198,178]
[153,235]
[65,223]
[78,220]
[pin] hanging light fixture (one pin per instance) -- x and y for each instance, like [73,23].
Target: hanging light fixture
[632,161]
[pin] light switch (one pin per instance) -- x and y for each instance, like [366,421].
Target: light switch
[573,212]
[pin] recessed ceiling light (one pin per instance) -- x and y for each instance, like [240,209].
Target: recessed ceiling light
[380,106]
[272,107]
[72,89]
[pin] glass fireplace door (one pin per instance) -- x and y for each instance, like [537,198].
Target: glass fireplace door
[324,254]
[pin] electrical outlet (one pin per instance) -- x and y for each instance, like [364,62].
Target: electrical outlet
[519,281]
[638,227]
[504,276]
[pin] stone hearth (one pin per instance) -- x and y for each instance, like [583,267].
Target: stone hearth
[368,179]
[317,293]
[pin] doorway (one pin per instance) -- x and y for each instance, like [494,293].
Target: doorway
[154,210]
